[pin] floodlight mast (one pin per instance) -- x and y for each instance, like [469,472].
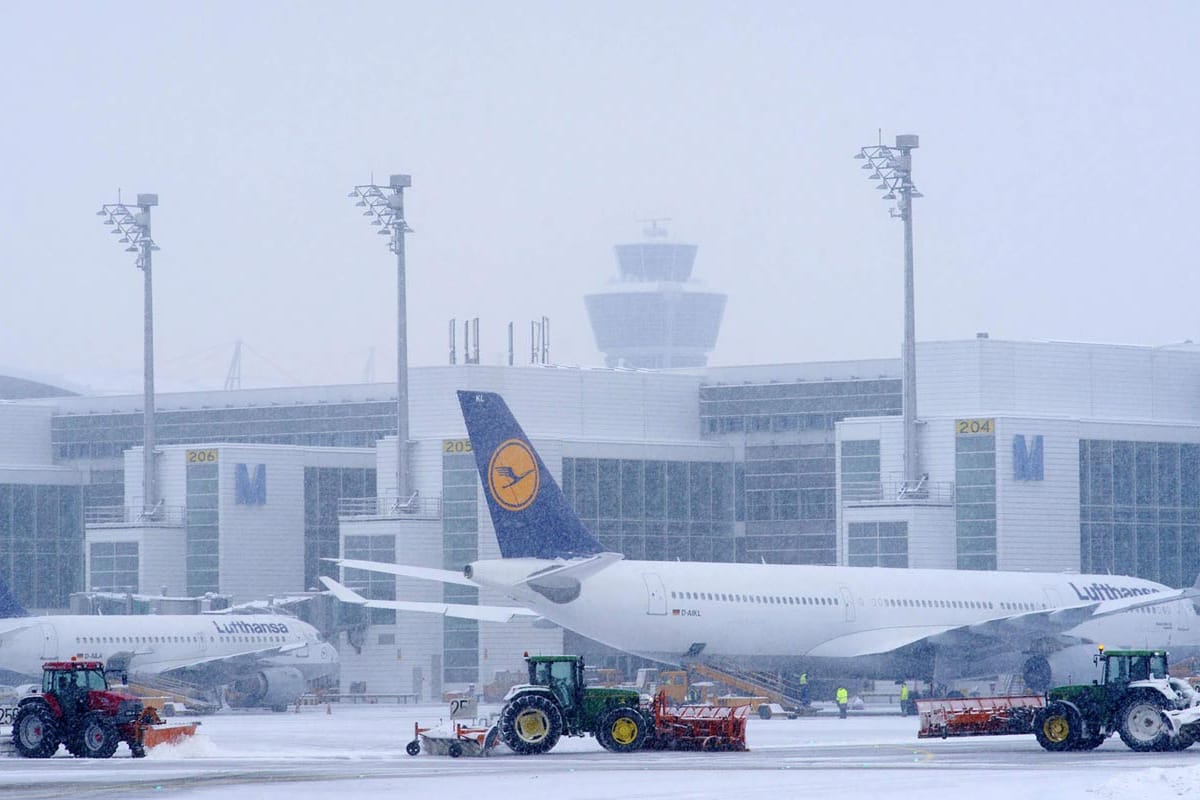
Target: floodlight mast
[385,206]
[892,167]
[133,226]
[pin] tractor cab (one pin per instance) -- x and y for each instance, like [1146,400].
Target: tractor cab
[1122,667]
[80,686]
[562,675]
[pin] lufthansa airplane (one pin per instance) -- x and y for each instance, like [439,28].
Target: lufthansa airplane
[268,659]
[869,621]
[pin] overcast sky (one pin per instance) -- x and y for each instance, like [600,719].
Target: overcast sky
[1058,149]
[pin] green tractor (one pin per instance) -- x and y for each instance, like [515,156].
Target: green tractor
[1134,697]
[557,702]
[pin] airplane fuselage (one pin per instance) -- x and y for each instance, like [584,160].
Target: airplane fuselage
[800,616]
[161,643]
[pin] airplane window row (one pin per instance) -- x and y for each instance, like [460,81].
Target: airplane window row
[169,639]
[756,598]
[908,602]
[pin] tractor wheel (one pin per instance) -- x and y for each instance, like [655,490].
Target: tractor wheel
[1143,727]
[413,748]
[530,724]
[1058,728]
[622,730]
[97,738]
[35,732]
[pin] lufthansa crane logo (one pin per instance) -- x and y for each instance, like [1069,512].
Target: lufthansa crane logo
[513,475]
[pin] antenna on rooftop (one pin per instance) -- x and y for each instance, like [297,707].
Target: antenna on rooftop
[653,230]
[233,378]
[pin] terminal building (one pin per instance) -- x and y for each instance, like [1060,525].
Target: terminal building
[1036,456]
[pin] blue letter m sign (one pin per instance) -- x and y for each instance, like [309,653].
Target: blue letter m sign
[1027,461]
[251,492]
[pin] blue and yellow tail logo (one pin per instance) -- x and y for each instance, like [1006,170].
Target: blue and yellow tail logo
[513,477]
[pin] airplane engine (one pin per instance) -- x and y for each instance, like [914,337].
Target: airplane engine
[1071,665]
[272,688]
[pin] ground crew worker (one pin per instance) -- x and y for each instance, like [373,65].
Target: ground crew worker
[843,700]
[904,699]
[804,701]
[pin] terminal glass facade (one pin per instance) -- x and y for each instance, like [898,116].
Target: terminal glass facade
[324,487]
[975,500]
[346,424]
[798,406]
[41,543]
[654,510]
[460,546]
[1139,509]
[860,469]
[877,544]
[114,567]
[786,490]
[373,585]
[790,505]
[203,529]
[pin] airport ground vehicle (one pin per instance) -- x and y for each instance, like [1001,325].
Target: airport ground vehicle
[77,708]
[697,727]
[459,740]
[557,702]
[1135,696]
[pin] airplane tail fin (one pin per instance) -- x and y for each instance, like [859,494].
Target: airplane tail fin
[530,513]
[10,606]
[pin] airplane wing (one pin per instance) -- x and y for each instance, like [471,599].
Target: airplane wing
[462,611]
[575,569]
[1046,624]
[404,571]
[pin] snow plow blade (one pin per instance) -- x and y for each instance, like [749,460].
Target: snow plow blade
[154,735]
[977,716]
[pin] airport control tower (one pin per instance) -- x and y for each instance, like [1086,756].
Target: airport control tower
[654,316]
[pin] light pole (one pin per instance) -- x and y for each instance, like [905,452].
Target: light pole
[892,167]
[385,206]
[133,226]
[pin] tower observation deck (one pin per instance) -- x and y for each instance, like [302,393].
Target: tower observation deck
[654,315]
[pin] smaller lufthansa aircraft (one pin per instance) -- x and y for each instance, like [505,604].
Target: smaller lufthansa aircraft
[268,659]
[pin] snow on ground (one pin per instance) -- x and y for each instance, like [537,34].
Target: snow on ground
[358,751]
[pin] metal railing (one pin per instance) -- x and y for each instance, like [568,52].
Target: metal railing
[164,516]
[418,506]
[933,493]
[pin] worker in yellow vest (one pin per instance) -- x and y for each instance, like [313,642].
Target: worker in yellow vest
[843,700]
[804,701]
[904,699]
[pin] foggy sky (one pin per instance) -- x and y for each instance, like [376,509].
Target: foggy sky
[1058,144]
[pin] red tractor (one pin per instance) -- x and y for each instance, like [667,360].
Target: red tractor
[76,708]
